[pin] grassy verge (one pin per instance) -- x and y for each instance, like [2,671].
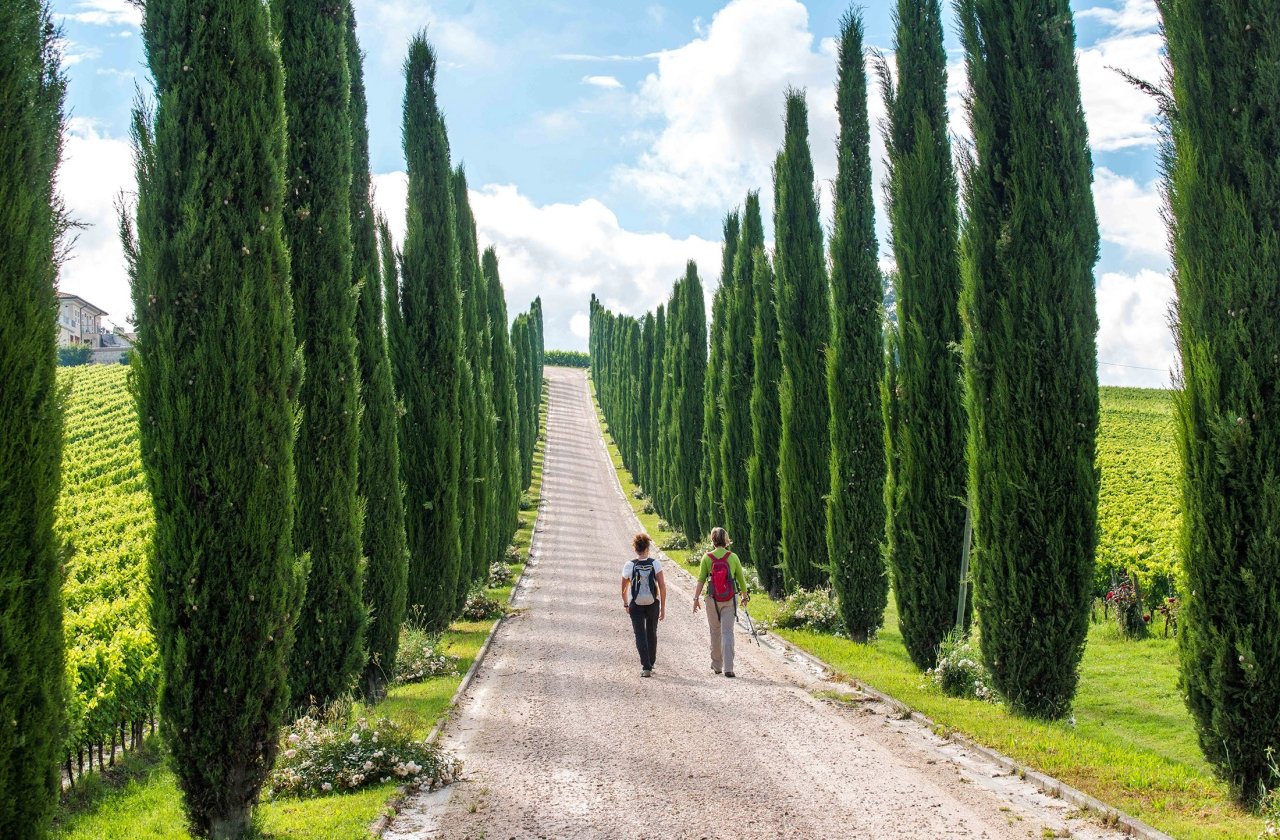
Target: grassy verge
[1131,742]
[139,798]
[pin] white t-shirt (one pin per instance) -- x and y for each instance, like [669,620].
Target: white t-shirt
[630,565]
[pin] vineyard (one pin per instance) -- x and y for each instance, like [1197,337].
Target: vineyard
[105,518]
[1138,499]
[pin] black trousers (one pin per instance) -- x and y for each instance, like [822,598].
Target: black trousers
[644,620]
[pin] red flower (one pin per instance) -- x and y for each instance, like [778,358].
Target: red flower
[1147,617]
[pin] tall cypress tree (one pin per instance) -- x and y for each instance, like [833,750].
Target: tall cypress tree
[329,651]
[521,344]
[804,329]
[386,573]
[31,664]
[712,511]
[855,360]
[765,508]
[666,413]
[926,437]
[644,430]
[737,379]
[426,352]
[654,417]
[216,373]
[1223,171]
[478,427]
[507,446]
[688,344]
[1029,245]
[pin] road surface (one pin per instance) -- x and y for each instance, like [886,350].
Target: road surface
[562,738]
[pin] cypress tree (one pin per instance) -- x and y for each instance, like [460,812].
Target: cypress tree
[1029,244]
[427,350]
[386,573]
[523,376]
[654,414]
[855,361]
[925,487]
[31,661]
[216,373]
[479,426]
[804,328]
[504,401]
[644,430]
[666,425]
[329,650]
[736,381]
[1222,167]
[689,348]
[714,407]
[765,508]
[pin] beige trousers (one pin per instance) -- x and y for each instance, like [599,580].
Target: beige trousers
[720,620]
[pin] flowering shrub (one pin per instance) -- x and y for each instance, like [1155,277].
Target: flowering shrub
[960,672]
[675,542]
[480,607]
[319,756]
[814,610]
[420,657]
[1126,600]
[499,574]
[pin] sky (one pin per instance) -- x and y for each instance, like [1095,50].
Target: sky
[605,142]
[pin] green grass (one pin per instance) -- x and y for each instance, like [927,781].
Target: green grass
[140,799]
[1132,745]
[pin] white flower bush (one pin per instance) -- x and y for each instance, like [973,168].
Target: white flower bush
[420,657]
[325,756]
[814,610]
[960,672]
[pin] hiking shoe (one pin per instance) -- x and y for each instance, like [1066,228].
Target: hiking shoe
[715,670]
[647,672]
[729,674]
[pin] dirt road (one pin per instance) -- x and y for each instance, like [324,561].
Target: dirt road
[562,738]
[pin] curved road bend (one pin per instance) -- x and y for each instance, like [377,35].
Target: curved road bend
[562,738]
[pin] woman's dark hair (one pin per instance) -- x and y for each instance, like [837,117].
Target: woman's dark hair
[641,542]
[719,537]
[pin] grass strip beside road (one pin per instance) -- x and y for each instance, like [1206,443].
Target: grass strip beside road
[1130,743]
[139,798]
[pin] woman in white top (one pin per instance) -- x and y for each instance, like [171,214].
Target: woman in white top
[644,597]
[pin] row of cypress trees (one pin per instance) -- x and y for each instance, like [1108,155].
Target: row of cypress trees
[330,428]
[884,420]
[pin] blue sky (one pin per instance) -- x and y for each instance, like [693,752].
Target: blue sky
[604,142]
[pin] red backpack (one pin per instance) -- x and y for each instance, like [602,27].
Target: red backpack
[722,589]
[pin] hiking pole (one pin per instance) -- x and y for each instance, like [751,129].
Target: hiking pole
[751,626]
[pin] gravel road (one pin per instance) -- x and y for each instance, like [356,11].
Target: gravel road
[562,738]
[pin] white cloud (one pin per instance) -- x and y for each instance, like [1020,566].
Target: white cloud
[1135,345]
[74,53]
[1134,16]
[1130,214]
[1119,115]
[95,170]
[387,25]
[608,82]
[566,253]
[106,13]
[657,14]
[720,99]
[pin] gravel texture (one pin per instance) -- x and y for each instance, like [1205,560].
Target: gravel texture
[561,737]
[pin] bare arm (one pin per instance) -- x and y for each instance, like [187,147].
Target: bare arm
[662,596]
[626,584]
